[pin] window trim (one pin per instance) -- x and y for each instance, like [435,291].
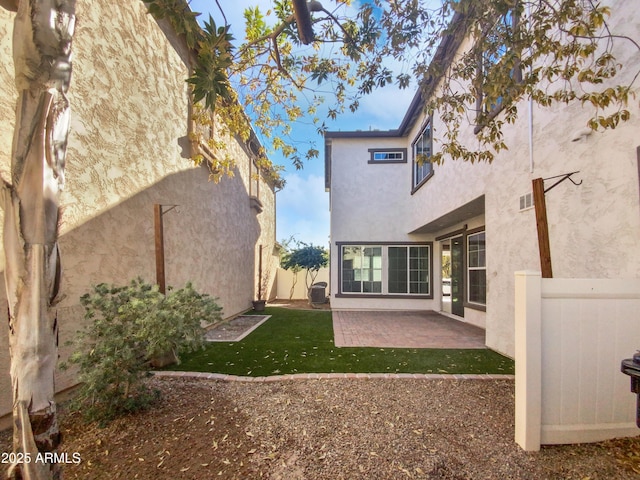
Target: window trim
[414,165]
[385,270]
[371,267]
[467,303]
[484,117]
[373,151]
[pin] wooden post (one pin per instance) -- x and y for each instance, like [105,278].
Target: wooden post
[260,273]
[159,234]
[543,227]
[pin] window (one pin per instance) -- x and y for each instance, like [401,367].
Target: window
[362,269]
[398,282]
[477,268]
[409,270]
[422,150]
[386,269]
[391,155]
[493,69]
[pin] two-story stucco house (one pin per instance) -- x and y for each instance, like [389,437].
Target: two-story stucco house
[449,237]
[129,151]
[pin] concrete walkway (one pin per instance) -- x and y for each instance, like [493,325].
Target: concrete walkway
[403,329]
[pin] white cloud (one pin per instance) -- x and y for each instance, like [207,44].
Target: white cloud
[303,209]
[383,109]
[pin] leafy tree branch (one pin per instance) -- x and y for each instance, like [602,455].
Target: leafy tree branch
[305,256]
[545,51]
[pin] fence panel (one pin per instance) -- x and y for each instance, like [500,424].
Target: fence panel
[571,335]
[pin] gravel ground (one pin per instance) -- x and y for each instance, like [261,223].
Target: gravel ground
[331,429]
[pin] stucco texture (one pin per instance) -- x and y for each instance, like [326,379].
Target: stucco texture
[594,227]
[128,150]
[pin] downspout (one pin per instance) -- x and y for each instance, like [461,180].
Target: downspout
[531,164]
[530,135]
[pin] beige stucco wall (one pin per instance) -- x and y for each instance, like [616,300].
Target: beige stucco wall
[587,223]
[287,280]
[128,150]
[594,228]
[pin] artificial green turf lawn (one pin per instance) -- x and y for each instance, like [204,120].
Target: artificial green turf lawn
[301,341]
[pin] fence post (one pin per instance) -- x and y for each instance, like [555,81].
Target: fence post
[528,350]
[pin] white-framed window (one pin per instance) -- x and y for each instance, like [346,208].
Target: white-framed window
[477,268]
[391,269]
[422,151]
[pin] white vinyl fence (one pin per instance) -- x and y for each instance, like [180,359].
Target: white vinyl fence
[571,335]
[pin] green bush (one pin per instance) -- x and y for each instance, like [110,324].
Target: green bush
[129,326]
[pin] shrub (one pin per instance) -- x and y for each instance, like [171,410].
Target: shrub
[130,325]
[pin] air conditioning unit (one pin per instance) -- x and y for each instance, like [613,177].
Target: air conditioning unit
[317,293]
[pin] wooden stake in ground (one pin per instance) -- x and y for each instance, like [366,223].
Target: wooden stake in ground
[43,31]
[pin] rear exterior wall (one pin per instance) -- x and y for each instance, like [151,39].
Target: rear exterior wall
[129,150]
[594,227]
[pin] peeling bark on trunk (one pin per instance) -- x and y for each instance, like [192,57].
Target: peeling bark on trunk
[42,36]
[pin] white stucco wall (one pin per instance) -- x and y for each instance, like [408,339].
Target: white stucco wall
[365,201]
[365,197]
[594,227]
[128,150]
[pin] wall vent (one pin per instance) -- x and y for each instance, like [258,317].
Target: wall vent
[526,201]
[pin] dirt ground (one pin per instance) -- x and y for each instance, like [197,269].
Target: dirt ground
[298,304]
[329,429]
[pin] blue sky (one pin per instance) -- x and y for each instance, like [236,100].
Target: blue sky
[303,205]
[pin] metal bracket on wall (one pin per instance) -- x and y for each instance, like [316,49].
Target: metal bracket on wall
[542,226]
[563,177]
[162,211]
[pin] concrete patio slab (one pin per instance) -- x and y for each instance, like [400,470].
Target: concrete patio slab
[403,329]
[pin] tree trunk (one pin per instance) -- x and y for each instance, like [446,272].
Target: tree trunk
[42,36]
[293,283]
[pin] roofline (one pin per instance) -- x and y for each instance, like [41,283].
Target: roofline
[253,143]
[415,107]
[362,134]
[449,45]
[444,54]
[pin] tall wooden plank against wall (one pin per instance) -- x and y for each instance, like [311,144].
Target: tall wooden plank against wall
[159,236]
[543,227]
